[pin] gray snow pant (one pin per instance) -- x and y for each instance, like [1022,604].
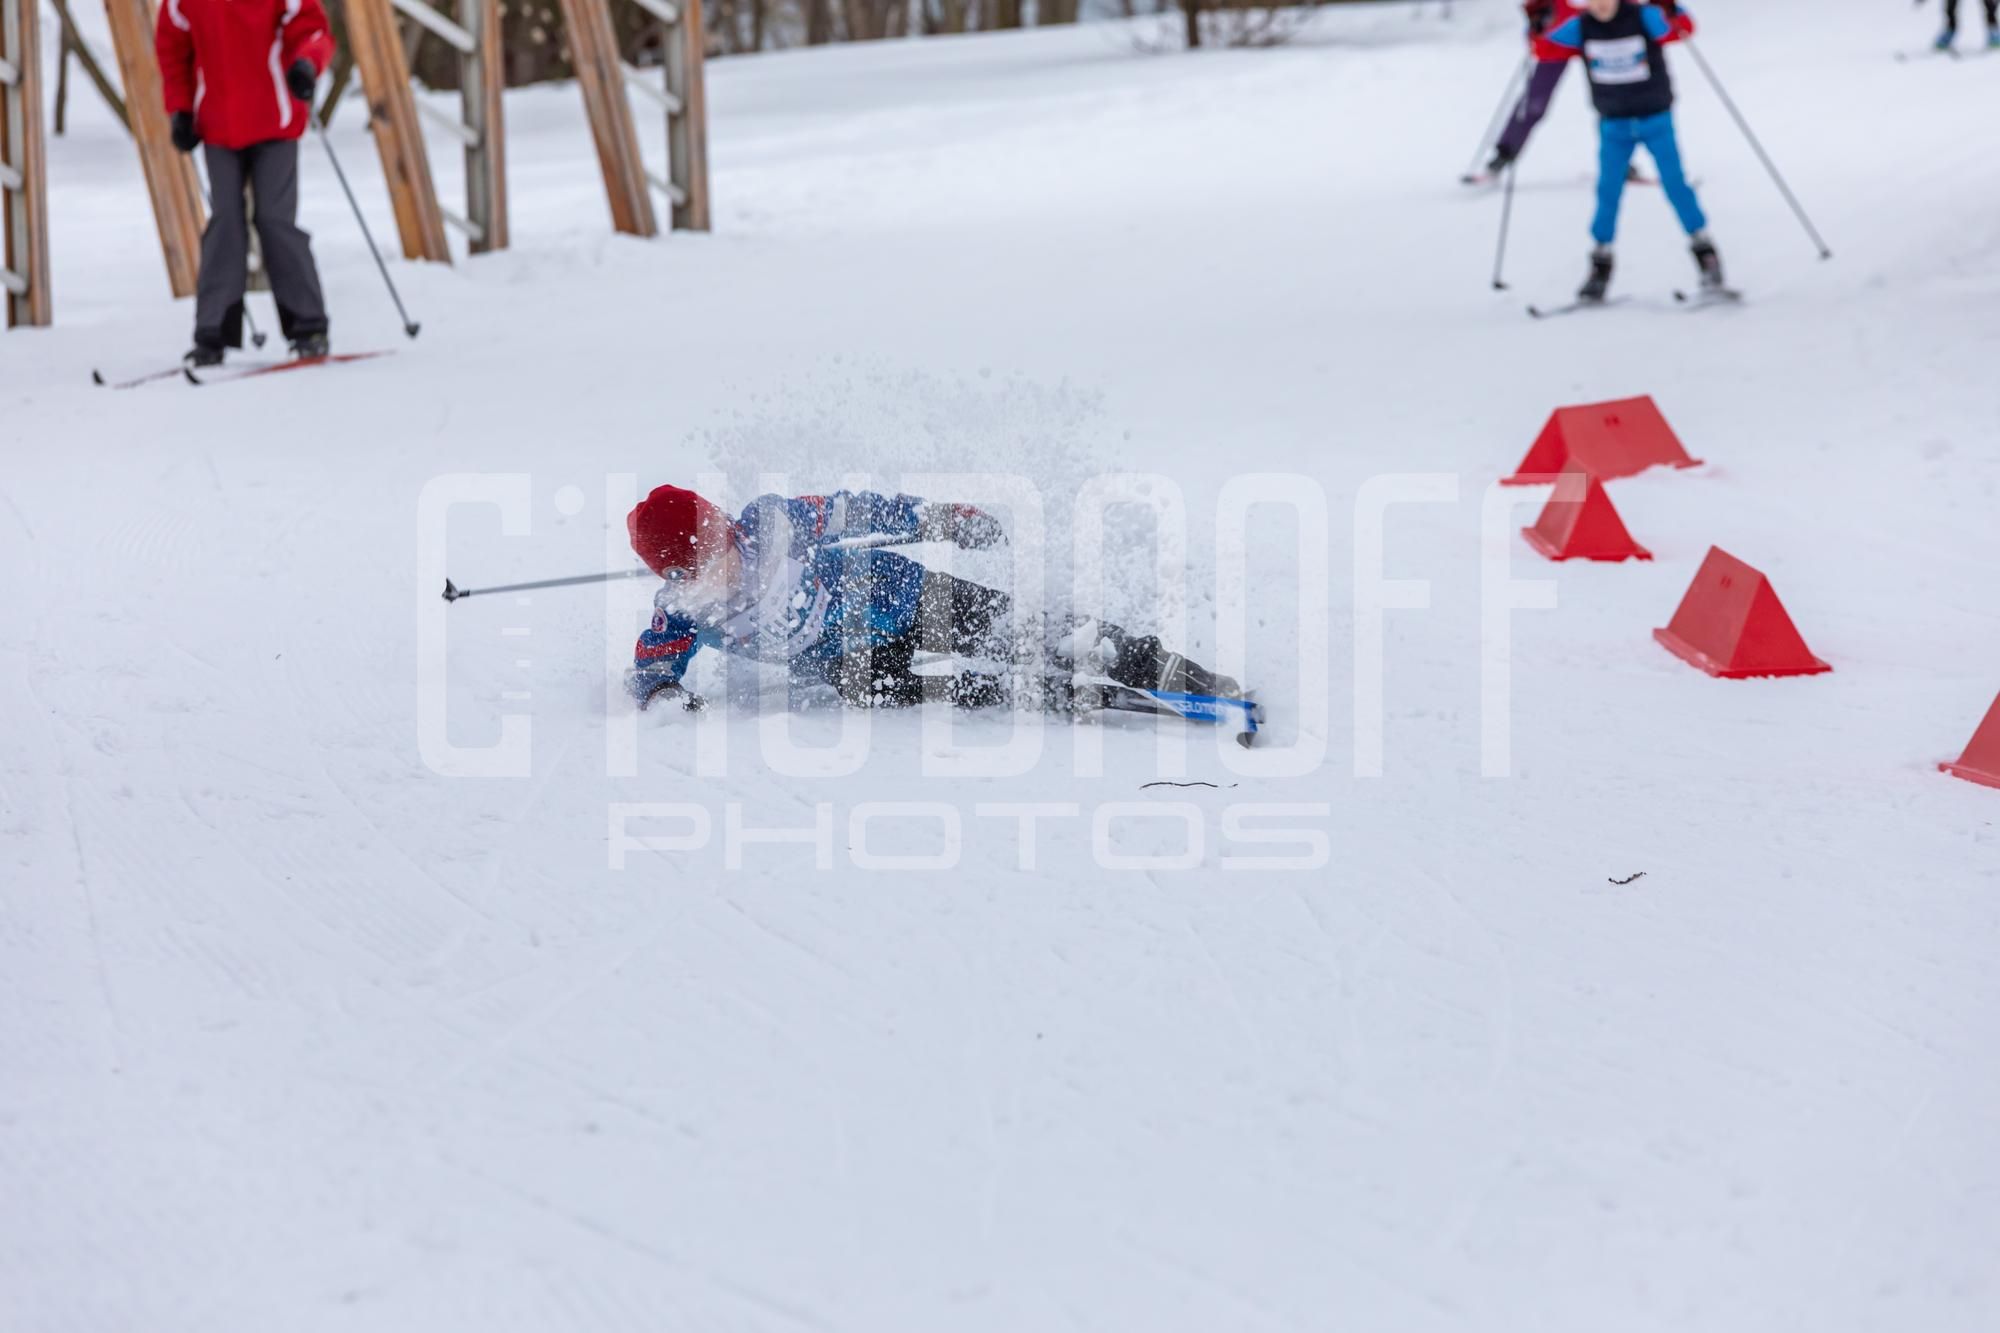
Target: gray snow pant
[271,169]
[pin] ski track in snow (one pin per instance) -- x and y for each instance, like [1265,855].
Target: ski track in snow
[298,1034]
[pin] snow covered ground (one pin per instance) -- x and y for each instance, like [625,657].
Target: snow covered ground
[298,1032]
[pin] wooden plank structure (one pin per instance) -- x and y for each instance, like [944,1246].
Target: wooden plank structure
[600,73]
[480,127]
[686,105]
[684,99]
[24,267]
[377,44]
[170,178]
[73,44]
[482,81]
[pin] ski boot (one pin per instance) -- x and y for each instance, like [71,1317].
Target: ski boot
[1594,286]
[1993,39]
[1707,260]
[1946,38]
[311,346]
[1174,674]
[202,354]
[1141,662]
[1147,665]
[1495,167]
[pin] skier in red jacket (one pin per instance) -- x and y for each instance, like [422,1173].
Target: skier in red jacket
[239,78]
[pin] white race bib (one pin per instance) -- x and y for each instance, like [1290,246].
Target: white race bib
[1618,60]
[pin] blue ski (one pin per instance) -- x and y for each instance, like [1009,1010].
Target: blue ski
[1246,715]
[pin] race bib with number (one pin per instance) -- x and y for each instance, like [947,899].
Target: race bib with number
[1618,60]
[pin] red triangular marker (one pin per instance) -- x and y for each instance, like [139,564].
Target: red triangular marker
[1731,624]
[1615,439]
[1585,527]
[1981,761]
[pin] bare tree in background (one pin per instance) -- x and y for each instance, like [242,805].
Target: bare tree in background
[1242,22]
[537,47]
[946,15]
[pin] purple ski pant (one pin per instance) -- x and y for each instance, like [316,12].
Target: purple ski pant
[1534,104]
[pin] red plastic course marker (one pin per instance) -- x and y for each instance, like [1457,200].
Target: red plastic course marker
[1615,439]
[1981,761]
[1582,526]
[1731,624]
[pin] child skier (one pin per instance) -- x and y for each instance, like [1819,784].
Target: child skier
[1950,33]
[1547,73]
[1621,42]
[776,584]
[238,76]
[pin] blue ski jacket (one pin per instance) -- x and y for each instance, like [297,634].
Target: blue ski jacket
[800,600]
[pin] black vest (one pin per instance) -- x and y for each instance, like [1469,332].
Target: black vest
[1628,74]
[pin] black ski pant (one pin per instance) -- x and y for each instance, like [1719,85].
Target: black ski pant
[271,171]
[1951,15]
[964,619]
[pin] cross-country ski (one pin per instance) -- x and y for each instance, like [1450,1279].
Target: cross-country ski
[1576,306]
[1708,296]
[223,374]
[114,381]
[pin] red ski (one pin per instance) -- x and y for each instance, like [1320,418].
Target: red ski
[224,374]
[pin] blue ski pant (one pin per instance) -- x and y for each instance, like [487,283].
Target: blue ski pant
[1618,137]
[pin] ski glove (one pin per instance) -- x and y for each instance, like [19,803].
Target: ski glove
[183,132]
[302,79]
[965,526]
[647,692]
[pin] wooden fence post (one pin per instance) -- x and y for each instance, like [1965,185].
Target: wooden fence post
[685,102]
[687,124]
[593,49]
[24,268]
[170,177]
[482,80]
[373,35]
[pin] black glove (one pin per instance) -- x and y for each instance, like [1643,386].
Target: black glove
[302,79]
[690,701]
[965,526]
[183,132]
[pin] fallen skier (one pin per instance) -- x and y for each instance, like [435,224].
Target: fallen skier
[787,581]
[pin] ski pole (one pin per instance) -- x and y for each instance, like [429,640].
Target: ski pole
[208,200]
[452,592]
[1507,100]
[410,326]
[1762,156]
[1507,195]
[1506,211]
[873,539]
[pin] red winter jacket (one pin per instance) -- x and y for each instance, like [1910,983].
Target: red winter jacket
[1545,14]
[225,60]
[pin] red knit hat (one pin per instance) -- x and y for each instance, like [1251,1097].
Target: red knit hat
[676,529]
